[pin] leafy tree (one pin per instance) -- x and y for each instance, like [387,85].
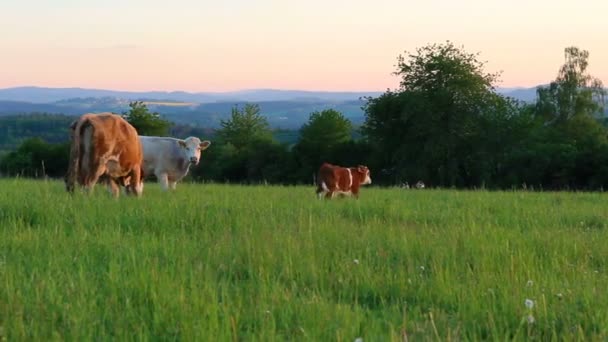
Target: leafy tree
[325,129]
[573,93]
[569,149]
[246,151]
[324,132]
[245,127]
[146,122]
[434,126]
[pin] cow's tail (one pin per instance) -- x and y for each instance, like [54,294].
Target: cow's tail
[81,153]
[72,174]
[87,131]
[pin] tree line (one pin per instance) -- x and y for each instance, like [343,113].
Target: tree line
[445,124]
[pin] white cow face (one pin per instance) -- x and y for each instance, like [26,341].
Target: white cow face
[193,147]
[362,169]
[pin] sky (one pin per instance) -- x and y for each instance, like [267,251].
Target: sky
[327,45]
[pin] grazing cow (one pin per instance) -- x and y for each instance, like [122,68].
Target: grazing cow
[334,179]
[104,145]
[169,159]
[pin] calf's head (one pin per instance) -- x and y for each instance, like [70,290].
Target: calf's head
[365,175]
[193,148]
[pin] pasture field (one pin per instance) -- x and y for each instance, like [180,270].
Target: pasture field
[216,262]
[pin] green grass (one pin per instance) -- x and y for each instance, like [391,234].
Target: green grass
[219,262]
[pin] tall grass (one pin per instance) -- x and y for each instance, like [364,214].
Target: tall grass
[219,262]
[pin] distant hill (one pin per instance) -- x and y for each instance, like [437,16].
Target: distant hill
[50,95]
[19,107]
[287,109]
[280,114]
[522,94]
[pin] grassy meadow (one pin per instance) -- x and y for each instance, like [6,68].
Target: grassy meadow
[216,262]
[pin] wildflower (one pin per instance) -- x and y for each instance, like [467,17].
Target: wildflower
[559,295]
[529,283]
[531,319]
[356,261]
[529,303]
[422,268]
[359,339]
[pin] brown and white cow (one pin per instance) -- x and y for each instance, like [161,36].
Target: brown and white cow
[333,179]
[105,145]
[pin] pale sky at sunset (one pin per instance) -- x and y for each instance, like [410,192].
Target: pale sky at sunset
[221,45]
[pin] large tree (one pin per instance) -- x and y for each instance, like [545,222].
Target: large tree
[320,141]
[326,129]
[573,93]
[322,133]
[245,127]
[572,153]
[146,122]
[433,126]
[247,151]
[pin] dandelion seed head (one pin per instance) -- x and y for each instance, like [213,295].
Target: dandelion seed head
[529,303]
[531,319]
[356,261]
[529,283]
[359,339]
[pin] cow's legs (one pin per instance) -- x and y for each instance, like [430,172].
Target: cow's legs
[172,184]
[92,179]
[320,191]
[323,190]
[136,184]
[163,179]
[113,187]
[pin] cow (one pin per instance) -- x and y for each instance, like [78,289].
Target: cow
[333,179]
[104,145]
[169,159]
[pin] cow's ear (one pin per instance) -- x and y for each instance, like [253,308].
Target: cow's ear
[205,144]
[182,143]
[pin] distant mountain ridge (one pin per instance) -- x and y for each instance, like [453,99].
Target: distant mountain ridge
[35,94]
[280,114]
[50,95]
[283,108]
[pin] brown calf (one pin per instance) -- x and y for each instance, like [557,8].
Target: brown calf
[333,179]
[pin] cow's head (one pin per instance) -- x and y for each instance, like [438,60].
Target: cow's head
[193,147]
[364,172]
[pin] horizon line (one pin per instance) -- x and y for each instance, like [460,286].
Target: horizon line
[230,91]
